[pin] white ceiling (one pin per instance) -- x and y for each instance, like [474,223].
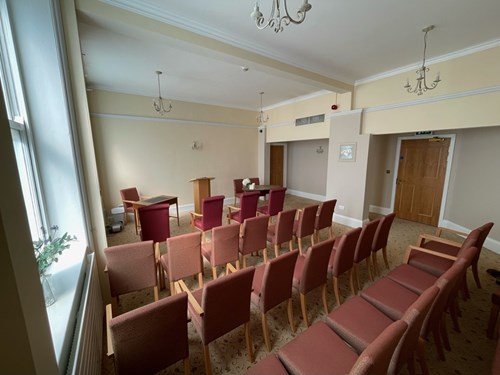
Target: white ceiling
[349,41]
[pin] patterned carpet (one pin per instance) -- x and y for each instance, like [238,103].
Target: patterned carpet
[472,351]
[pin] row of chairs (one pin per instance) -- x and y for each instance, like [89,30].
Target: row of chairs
[359,336]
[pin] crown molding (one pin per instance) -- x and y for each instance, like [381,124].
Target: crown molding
[434,99]
[449,56]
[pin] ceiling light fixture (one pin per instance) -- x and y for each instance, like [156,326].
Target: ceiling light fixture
[421,84]
[275,20]
[158,103]
[260,118]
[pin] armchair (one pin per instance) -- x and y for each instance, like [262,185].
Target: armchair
[380,240]
[247,209]
[275,203]
[210,217]
[282,231]
[224,247]
[364,249]
[253,237]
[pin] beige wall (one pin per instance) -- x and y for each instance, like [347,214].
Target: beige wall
[155,154]
[307,168]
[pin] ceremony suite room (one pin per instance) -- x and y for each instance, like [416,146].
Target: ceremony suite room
[89,94]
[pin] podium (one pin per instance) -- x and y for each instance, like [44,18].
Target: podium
[201,189]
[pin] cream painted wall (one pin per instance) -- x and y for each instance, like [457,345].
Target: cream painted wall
[156,155]
[307,168]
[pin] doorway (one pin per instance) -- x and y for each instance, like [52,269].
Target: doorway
[276,164]
[422,175]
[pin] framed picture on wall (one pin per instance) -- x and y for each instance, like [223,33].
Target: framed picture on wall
[347,152]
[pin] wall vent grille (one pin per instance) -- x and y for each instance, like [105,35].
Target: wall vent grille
[310,120]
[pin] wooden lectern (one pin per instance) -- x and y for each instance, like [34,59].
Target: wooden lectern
[201,189]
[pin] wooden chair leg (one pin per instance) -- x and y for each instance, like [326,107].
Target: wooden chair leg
[265,331]
[290,245]
[444,334]
[206,357]
[453,308]
[330,232]
[248,337]
[384,253]
[436,334]
[200,280]
[336,290]
[375,264]
[187,366]
[476,274]
[312,239]
[492,322]
[290,314]
[304,309]
[356,273]
[264,254]
[214,272]
[323,294]
[351,282]
[421,356]
[410,364]
[155,293]
[276,250]
[244,260]
[172,288]
[369,266]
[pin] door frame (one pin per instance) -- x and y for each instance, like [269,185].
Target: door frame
[285,161]
[449,163]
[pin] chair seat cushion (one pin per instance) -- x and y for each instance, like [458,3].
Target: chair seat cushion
[263,209]
[297,272]
[318,350]
[257,284]
[390,297]
[441,247]
[429,263]
[412,278]
[358,322]
[269,365]
[236,216]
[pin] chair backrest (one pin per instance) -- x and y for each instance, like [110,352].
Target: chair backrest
[382,233]
[314,272]
[470,241]
[131,267]
[255,180]
[248,205]
[365,241]
[254,234]
[485,230]
[152,337]
[344,254]
[305,224]
[212,212]
[184,255]
[414,317]
[277,280]
[129,194]
[276,201]
[225,244]
[376,357]
[238,185]
[155,222]
[226,303]
[283,230]
[325,214]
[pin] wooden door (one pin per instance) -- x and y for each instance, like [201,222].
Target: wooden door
[276,165]
[420,181]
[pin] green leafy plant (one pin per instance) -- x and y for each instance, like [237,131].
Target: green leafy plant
[49,247]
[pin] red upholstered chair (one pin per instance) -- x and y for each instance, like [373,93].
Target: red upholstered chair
[275,203]
[183,259]
[152,337]
[324,218]
[130,268]
[364,249]
[221,306]
[304,225]
[319,350]
[253,237]
[238,188]
[393,299]
[155,226]
[272,285]
[282,231]
[269,365]
[311,272]
[247,209]
[341,260]
[210,217]
[224,247]
[380,240]
[359,323]
[444,246]
[129,197]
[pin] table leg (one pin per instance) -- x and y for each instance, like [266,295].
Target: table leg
[177,207]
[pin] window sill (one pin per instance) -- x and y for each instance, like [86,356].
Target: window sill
[66,280]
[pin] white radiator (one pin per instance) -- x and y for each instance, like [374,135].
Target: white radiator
[86,350]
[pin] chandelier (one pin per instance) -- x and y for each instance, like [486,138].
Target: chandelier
[260,117]
[421,84]
[275,20]
[158,103]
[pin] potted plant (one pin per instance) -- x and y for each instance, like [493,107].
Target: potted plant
[47,250]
